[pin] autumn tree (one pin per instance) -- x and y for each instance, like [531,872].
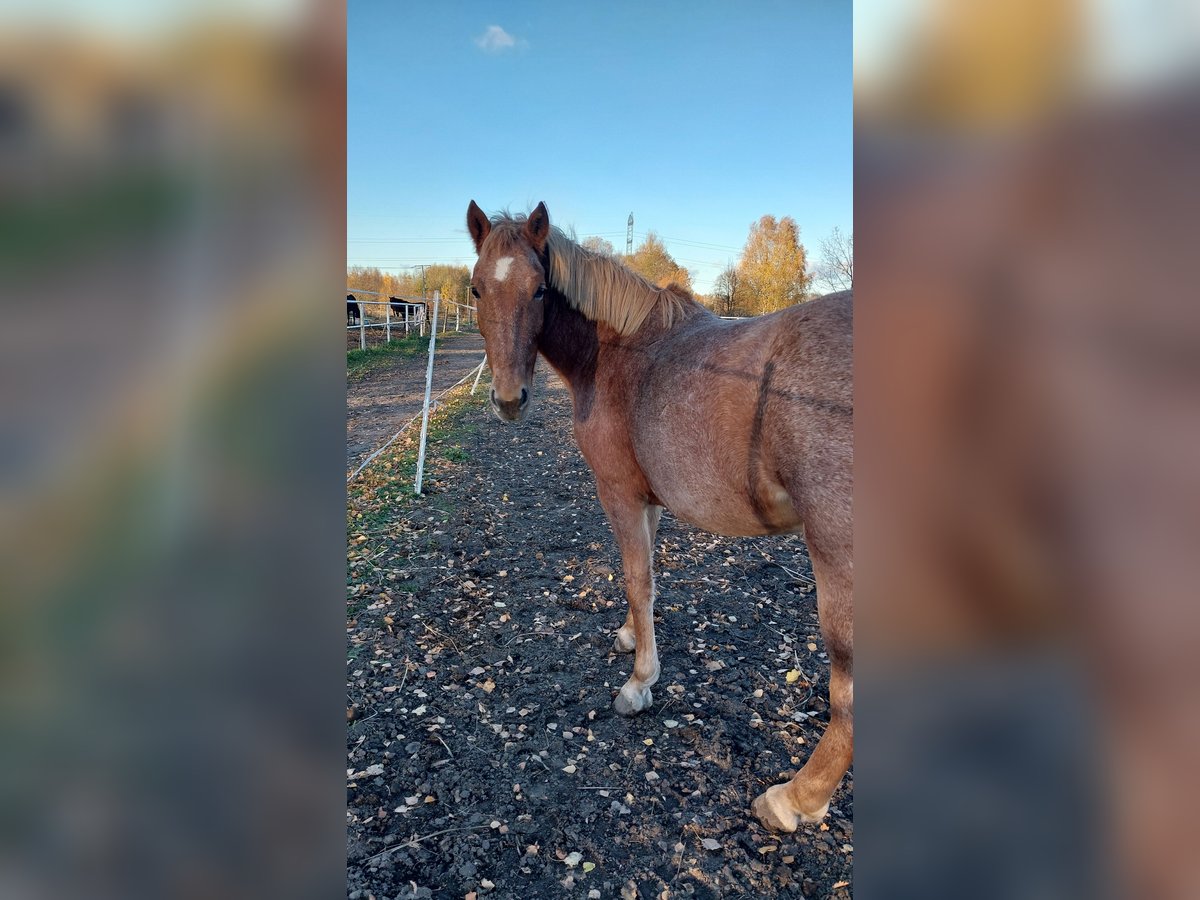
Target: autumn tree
[727,292]
[773,271]
[837,261]
[364,278]
[453,282]
[652,261]
[597,244]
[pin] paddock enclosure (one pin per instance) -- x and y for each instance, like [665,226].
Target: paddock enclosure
[483,751]
[373,319]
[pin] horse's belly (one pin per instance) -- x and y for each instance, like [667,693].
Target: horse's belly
[708,497]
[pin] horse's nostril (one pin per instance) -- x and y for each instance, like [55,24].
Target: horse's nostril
[524,396]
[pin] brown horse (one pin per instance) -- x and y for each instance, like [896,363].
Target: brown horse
[742,428]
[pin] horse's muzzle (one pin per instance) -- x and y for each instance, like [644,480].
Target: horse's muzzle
[511,410]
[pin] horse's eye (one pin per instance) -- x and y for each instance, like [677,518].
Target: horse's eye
[541,291]
[474,292]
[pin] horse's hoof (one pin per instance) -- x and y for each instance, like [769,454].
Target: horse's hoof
[630,702]
[623,642]
[773,809]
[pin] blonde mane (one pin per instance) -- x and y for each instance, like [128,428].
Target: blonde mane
[602,288]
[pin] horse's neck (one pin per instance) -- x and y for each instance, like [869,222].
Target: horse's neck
[570,342]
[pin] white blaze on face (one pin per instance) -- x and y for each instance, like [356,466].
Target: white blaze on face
[502,267]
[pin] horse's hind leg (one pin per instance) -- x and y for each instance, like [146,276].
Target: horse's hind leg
[634,523]
[626,639]
[806,797]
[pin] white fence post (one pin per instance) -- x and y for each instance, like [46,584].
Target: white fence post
[362,327]
[387,328]
[428,390]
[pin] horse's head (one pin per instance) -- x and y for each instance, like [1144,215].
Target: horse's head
[508,285]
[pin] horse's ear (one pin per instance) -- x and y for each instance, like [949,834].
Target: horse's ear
[537,227]
[478,225]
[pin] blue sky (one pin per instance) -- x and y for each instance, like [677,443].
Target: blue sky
[696,117]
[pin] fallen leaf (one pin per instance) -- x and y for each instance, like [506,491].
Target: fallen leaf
[793,676]
[710,844]
[572,859]
[488,686]
[588,866]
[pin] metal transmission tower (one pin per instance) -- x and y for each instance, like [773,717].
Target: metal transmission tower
[629,237]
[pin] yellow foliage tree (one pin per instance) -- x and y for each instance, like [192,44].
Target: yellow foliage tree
[773,271]
[453,281]
[652,261]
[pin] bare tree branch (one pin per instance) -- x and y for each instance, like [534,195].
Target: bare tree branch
[837,261]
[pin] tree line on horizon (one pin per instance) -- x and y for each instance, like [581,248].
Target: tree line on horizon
[772,272]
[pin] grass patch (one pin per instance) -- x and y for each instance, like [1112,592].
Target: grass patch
[361,362]
[383,492]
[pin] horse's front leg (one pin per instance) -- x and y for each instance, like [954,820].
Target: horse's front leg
[626,638]
[635,522]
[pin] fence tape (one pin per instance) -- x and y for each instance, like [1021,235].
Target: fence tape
[406,426]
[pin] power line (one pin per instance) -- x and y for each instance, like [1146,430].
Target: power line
[700,244]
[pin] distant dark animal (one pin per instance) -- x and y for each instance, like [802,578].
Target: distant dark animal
[741,428]
[352,313]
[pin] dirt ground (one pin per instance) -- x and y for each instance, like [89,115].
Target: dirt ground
[484,757]
[379,403]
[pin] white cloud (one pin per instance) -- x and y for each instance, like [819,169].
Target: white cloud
[495,39]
